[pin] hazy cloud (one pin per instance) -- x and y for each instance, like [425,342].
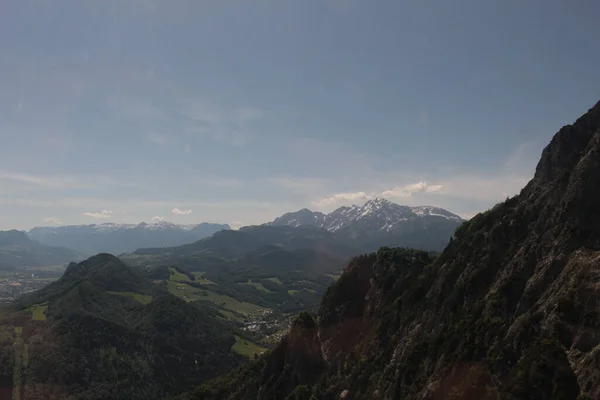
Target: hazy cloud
[408,190]
[57,181]
[53,221]
[343,198]
[157,218]
[177,211]
[248,113]
[298,185]
[231,126]
[104,214]
[157,138]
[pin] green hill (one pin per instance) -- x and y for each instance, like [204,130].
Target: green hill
[104,330]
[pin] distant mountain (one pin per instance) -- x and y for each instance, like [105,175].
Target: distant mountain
[17,250]
[510,309]
[105,331]
[380,222]
[122,238]
[301,217]
[234,244]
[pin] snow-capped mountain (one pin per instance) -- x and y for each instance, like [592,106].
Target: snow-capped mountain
[121,238]
[301,217]
[379,212]
[381,222]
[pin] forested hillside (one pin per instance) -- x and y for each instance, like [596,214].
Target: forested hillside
[105,331]
[509,310]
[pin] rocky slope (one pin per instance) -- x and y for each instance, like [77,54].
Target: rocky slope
[509,310]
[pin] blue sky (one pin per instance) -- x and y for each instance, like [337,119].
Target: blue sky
[238,111]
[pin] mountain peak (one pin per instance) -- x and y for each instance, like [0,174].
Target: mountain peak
[378,201]
[14,237]
[567,146]
[107,272]
[380,218]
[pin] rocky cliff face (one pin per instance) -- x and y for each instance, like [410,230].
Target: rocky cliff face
[509,310]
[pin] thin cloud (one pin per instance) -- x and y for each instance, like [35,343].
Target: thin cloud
[53,221]
[177,211]
[231,126]
[57,181]
[248,113]
[343,198]
[408,190]
[104,214]
[157,218]
[299,186]
[157,138]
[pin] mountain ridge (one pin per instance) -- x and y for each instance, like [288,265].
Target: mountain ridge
[346,215]
[17,250]
[121,238]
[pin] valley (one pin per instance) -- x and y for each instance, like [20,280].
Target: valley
[16,283]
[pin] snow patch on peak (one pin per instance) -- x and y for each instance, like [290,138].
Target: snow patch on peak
[377,214]
[423,211]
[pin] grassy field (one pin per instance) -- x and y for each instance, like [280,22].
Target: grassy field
[246,348]
[257,285]
[230,303]
[275,280]
[191,293]
[205,282]
[175,275]
[140,298]
[292,292]
[38,311]
[179,277]
[230,315]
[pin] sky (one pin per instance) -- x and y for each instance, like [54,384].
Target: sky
[238,111]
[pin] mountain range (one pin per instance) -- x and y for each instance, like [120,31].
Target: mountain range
[122,238]
[380,214]
[377,223]
[509,310]
[380,222]
[17,250]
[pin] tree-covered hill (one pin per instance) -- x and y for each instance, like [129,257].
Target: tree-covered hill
[105,331]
